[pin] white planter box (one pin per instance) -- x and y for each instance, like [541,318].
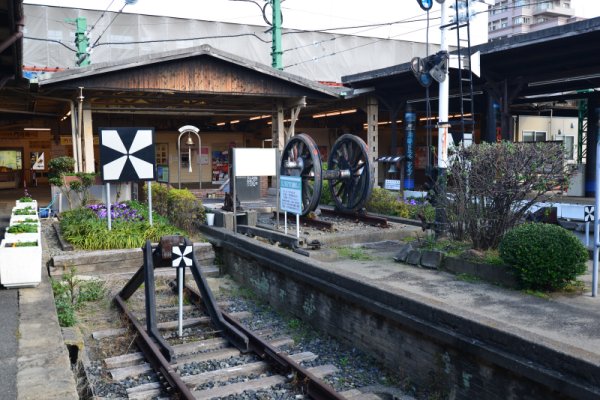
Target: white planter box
[33,204]
[20,266]
[14,219]
[22,237]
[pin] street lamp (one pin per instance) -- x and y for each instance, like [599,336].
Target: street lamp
[189,129]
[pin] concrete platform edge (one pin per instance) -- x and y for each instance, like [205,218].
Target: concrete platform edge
[549,363]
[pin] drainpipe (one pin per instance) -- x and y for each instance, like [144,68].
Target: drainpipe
[80,128]
[14,37]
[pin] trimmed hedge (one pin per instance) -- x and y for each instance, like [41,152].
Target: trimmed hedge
[543,256]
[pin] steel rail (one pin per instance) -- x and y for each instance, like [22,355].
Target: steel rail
[314,387]
[366,218]
[153,354]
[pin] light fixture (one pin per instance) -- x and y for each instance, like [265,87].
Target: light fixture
[36,129]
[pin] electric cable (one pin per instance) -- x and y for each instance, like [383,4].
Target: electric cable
[108,26]
[183,40]
[50,40]
[100,17]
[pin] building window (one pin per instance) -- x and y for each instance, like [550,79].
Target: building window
[521,20]
[534,136]
[504,23]
[162,154]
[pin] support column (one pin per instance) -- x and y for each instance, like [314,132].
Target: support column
[491,123]
[593,133]
[277,133]
[88,139]
[372,109]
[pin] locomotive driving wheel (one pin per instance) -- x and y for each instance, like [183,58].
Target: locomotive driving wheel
[349,171]
[301,157]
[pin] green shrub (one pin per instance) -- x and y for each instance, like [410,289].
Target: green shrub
[326,197]
[25,211]
[543,256]
[180,206]
[70,293]
[383,201]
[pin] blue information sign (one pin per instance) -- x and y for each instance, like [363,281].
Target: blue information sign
[290,199]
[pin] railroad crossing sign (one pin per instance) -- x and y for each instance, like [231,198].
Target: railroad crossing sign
[127,154]
[181,256]
[588,213]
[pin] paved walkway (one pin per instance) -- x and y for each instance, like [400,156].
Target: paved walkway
[34,363]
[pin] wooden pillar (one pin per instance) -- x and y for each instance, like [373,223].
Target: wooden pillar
[88,139]
[372,109]
[278,129]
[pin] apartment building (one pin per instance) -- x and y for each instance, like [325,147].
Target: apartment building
[514,17]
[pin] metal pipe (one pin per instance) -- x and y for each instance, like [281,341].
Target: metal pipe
[14,37]
[80,128]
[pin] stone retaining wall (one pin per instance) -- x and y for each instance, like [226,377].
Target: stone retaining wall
[414,337]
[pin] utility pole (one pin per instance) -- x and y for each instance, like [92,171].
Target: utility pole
[276,48]
[81,41]
[443,124]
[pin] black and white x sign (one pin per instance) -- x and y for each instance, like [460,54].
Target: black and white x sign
[127,154]
[181,256]
[588,213]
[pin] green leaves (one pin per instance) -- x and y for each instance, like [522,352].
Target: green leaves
[544,256]
[83,229]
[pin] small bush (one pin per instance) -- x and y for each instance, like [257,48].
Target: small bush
[70,293]
[543,256]
[180,206]
[385,202]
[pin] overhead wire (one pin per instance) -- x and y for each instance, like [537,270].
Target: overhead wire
[100,17]
[50,40]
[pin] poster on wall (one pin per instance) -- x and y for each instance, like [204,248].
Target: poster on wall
[37,160]
[203,160]
[162,173]
[220,166]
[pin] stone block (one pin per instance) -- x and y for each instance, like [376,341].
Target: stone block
[403,252]
[224,219]
[413,257]
[431,259]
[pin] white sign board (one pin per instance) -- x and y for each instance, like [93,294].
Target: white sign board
[255,162]
[290,199]
[392,184]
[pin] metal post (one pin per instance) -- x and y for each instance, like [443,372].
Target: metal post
[596,219]
[276,48]
[285,222]
[180,272]
[278,157]
[232,185]
[108,216]
[150,202]
[440,211]
[298,226]
[587,234]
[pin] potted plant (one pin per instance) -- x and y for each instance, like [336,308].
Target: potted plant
[26,201]
[20,264]
[22,214]
[23,232]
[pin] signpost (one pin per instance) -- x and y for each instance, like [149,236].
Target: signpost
[181,258]
[127,154]
[588,215]
[291,199]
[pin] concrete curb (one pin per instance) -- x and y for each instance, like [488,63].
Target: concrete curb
[44,368]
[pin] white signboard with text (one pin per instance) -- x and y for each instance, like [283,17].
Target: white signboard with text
[291,194]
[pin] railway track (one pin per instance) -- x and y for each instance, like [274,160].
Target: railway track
[215,356]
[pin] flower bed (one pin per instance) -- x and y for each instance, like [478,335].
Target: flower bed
[23,232]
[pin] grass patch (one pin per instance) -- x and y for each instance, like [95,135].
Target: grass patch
[537,293]
[354,253]
[468,278]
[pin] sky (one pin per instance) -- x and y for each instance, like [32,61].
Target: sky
[313,14]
